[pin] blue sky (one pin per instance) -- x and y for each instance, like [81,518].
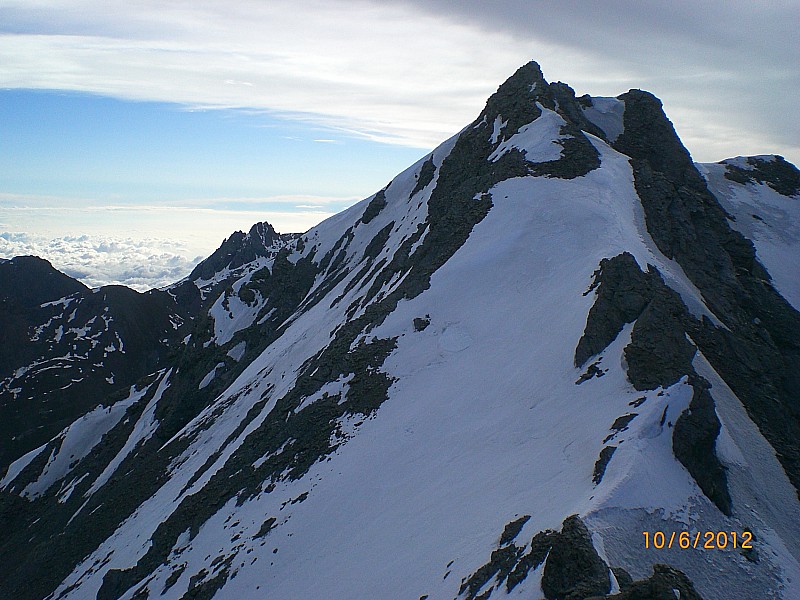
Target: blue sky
[99,149]
[135,136]
[114,190]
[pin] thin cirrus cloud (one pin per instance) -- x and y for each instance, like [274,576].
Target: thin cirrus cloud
[414,72]
[726,70]
[338,64]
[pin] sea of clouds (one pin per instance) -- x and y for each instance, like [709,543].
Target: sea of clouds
[142,247]
[97,260]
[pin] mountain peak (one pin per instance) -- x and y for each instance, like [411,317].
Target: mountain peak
[30,281]
[530,72]
[515,99]
[262,233]
[238,250]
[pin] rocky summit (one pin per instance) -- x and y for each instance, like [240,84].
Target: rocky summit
[555,358]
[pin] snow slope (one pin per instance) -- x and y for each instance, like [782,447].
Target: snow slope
[769,219]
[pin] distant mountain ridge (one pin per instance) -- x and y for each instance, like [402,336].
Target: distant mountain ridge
[29,280]
[552,334]
[67,348]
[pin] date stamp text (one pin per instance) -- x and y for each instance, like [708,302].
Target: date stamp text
[698,540]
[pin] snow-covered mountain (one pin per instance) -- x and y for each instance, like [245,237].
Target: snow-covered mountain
[66,348]
[517,370]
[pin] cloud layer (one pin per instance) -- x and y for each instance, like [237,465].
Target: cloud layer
[414,72]
[381,72]
[160,245]
[97,261]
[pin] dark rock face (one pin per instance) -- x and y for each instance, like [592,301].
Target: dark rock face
[777,173]
[658,355]
[516,99]
[499,567]
[215,274]
[426,174]
[28,281]
[602,462]
[659,586]
[758,355]
[512,529]
[508,564]
[376,205]
[62,355]
[573,568]
[283,288]
[540,546]
[421,323]
[694,444]
[239,249]
[623,291]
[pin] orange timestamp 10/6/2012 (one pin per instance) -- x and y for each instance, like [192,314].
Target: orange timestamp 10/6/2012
[699,540]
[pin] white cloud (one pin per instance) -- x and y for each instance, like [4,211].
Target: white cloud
[160,245]
[719,66]
[414,72]
[382,72]
[140,264]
